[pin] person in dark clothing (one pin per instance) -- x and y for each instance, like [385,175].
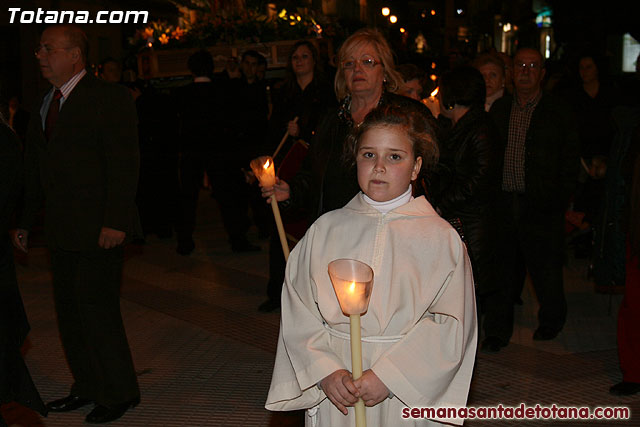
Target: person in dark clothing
[246,112]
[592,100]
[366,78]
[540,141]
[157,195]
[15,381]
[82,160]
[629,314]
[304,95]
[465,184]
[205,146]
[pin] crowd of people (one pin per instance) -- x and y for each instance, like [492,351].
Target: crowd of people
[452,210]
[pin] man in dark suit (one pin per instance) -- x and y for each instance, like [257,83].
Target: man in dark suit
[82,159]
[204,112]
[540,142]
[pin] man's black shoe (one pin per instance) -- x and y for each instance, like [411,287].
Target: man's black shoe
[102,414]
[69,403]
[625,388]
[545,333]
[492,345]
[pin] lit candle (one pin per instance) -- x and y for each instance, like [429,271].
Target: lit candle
[433,103]
[352,282]
[265,172]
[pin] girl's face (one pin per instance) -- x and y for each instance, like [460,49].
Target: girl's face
[302,61]
[386,163]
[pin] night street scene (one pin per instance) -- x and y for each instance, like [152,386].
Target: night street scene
[319,213]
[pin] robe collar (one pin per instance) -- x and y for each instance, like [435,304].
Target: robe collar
[416,207]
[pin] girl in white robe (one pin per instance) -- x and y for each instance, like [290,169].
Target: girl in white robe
[419,333]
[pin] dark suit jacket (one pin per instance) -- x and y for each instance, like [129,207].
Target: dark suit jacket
[551,151]
[88,171]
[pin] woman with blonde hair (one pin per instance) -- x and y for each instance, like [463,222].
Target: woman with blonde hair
[366,78]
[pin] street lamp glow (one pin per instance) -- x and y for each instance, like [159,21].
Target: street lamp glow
[386,11]
[402,30]
[433,12]
[393,19]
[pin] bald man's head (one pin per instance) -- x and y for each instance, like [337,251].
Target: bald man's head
[62,53]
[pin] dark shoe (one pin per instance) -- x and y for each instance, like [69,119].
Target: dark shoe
[185,247]
[69,403]
[102,414]
[244,246]
[545,333]
[492,345]
[625,388]
[268,306]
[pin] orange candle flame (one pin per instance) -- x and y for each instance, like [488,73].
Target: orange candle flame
[352,287]
[266,165]
[435,91]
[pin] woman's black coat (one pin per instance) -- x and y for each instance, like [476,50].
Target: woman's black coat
[465,185]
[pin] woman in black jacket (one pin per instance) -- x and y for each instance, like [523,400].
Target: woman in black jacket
[466,181]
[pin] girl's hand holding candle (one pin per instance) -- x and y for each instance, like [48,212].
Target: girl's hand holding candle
[340,389]
[371,389]
[352,281]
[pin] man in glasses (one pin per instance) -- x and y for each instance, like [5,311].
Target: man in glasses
[540,171]
[82,159]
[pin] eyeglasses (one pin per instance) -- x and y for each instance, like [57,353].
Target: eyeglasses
[366,62]
[47,49]
[530,65]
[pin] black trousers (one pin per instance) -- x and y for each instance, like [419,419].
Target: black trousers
[532,241]
[86,288]
[229,189]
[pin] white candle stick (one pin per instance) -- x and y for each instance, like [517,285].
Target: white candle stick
[352,281]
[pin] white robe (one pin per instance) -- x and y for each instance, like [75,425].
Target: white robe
[422,293]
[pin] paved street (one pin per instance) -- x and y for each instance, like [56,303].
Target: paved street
[204,354]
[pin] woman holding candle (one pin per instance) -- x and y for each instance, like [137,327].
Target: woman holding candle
[299,102]
[366,78]
[419,332]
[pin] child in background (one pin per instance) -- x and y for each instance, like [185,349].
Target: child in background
[419,334]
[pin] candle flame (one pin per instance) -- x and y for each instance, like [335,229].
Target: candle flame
[266,165]
[435,91]
[352,287]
